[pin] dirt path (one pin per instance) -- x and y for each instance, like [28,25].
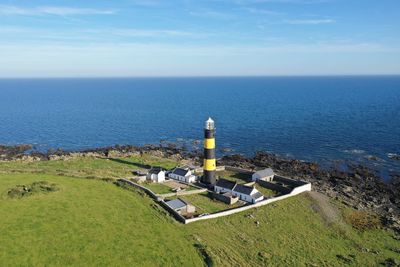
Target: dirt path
[321,204]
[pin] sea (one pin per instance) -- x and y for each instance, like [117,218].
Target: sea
[323,119]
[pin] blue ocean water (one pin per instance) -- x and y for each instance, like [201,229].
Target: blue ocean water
[310,118]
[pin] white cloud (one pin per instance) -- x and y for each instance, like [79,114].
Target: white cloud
[53,10]
[130,32]
[262,11]
[211,14]
[309,21]
[245,2]
[91,34]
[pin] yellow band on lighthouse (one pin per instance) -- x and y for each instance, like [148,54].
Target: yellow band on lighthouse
[209,143]
[209,164]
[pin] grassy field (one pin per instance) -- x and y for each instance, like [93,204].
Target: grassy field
[204,204]
[158,188]
[87,167]
[88,222]
[265,191]
[240,178]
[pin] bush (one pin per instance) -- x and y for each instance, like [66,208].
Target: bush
[20,191]
[362,220]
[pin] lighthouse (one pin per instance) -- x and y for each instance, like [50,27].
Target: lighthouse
[209,164]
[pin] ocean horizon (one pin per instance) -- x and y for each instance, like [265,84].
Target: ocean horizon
[313,118]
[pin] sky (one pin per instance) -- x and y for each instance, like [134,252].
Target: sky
[104,38]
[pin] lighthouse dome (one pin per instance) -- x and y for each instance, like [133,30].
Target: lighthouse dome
[209,124]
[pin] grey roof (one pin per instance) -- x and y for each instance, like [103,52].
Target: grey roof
[180,171]
[244,189]
[225,184]
[265,172]
[176,204]
[155,170]
[256,195]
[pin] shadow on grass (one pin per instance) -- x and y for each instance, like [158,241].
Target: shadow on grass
[139,165]
[243,176]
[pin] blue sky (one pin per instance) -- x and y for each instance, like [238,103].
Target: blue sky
[198,38]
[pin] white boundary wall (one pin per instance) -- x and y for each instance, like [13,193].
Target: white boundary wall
[295,191]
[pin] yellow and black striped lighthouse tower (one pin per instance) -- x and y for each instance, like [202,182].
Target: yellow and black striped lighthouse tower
[209,153]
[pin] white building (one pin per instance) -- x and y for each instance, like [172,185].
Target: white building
[183,175]
[244,192]
[266,175]
[156,175]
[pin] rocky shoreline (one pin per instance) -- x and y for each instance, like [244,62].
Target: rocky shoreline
[355,185]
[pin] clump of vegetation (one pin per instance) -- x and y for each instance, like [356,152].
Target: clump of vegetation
[204,254]
[34,188]
[363,220]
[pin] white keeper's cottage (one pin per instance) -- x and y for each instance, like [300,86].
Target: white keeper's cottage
[244,192]
[156,175]
[183,175]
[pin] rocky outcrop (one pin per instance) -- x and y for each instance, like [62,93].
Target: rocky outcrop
[356,186]
[10,152]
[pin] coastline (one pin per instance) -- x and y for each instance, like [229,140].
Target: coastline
[356,186]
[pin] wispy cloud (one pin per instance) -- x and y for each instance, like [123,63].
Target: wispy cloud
[149,3]
[245,2]
[309,21]
[262,11]
[129,32]
[10,33]
[53,10]
[211,14]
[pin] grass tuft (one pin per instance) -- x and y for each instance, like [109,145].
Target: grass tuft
[363,220]
[34,188]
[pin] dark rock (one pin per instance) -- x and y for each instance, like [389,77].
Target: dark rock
[391,262]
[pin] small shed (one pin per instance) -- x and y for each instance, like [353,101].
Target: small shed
[140,172]
[266,175]
[181,206]
[156,175]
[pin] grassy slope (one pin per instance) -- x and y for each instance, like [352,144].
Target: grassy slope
[90,222]
[87,223]
[88,167]
[290,233]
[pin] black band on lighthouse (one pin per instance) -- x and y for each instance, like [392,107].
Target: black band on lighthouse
[209,153]
[209,133]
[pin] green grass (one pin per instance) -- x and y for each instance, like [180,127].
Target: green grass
[158,188]
[162,188]
[150,160]
[290,233]
[240,178]
[87,167]
[205,204]
[265,191]
[88,222]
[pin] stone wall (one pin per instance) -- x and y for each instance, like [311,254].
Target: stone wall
[288,181]
[225,199]
[183,193]
[176,215]
[148,191]
[274,187]
[236,169]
